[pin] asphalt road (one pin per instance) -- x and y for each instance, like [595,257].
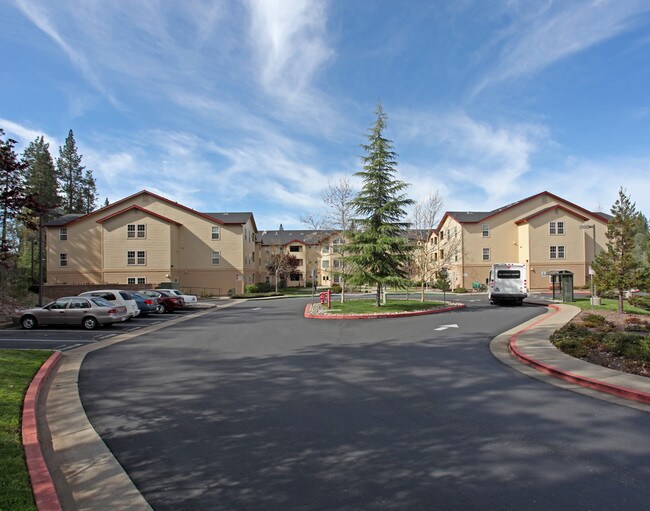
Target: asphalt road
[254,407]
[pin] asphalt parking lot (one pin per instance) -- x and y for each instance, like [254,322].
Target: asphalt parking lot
[65,338]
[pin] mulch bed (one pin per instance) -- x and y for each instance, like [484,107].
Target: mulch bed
[600,356]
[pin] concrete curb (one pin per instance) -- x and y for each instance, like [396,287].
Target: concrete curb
[41,480]
[572,377]
[308,315]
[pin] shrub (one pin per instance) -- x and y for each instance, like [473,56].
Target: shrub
[572,346]
[336,288]
[629,345]
[642,302]
[260,287]
[460,290]
[599,322]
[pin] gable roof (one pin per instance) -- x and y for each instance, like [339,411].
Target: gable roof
[472,217]
[137,208]
[238,218]
[284,237]
[550,208]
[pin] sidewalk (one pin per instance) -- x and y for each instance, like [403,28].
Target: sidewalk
[529,343]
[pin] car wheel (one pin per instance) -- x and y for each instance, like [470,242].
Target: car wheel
[160,309]
[28,322]
[90,323]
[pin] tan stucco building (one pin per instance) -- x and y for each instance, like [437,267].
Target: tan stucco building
[148,239]
[544,231]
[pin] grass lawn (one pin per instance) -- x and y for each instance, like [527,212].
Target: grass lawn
[368,306]
[17,368]
[608,304]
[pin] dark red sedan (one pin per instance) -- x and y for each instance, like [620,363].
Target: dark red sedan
[167,302]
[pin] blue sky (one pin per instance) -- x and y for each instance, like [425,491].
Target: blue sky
[255,105]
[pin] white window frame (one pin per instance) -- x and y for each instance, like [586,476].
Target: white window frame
[136,257]
[557,252]
[136,231]
[215,258]
[63,234]
[215,234]
[487,255]
[325,264]
[63,260]
[552,228]
[325,249]
[485,230]
[560,228]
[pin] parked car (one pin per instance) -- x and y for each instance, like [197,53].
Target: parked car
[188,299]
[117,297]
[166,303]
[88,312]
[146,304]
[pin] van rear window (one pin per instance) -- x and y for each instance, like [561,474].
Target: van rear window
[508,274]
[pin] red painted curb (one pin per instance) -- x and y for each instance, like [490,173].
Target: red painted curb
[42,484]
[608,388]
[380,316]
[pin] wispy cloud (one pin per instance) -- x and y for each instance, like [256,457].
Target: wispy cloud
[470,153]
[547,32]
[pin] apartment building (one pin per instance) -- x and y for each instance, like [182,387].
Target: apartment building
[544,231]
[148,239]
[310,247]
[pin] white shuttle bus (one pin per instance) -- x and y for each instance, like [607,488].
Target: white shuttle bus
[508,282]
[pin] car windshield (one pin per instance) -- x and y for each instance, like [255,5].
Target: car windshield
[98,300]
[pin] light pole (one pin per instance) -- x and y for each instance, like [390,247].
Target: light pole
[594,299]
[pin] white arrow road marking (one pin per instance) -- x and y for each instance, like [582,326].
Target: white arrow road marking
[257,308]
[445,327]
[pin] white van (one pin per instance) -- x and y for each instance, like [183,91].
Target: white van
[118,297]
[508,282]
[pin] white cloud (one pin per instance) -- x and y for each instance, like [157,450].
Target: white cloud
[464,152]
[545,33]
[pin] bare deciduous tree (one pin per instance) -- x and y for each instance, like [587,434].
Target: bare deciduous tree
[423,263]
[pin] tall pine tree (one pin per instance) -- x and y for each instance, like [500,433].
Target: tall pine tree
[89,192]
[71,177]
[378,251]
[617,269]
[41,173]
[14,196]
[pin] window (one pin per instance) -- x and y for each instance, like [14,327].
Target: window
[325,265]
[216,233]
[63,233]
[295,277]
[325,249]
[63,259]
[336,279]
[337,263]
[485,230]
[339,241]
[139,257]
[557,252]
[552,230]
[216,258]
[295,248]
[136,231]
[486,254]
[136,280]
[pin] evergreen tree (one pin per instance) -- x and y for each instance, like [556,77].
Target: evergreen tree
[70,175]
[378,251]
[41,173]
[617,268]
[14,195]
[40,177]
[89,193]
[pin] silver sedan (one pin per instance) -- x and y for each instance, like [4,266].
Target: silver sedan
[88,312]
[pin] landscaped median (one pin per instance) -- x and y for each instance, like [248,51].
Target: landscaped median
[366,309]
